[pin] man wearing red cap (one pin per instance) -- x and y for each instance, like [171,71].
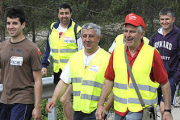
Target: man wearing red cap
[148,71]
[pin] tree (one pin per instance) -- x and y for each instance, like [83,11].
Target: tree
[2,27]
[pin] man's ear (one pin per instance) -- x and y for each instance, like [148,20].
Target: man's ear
[174,19]
[142,34]
[23,25]
[99,38]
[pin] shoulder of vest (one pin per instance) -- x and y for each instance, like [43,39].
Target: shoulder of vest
[52,24]
[146,40]
[119,37]
[119,45]
[80,52]
[76,25]
[78,28]
[149,47]
[104,53]
[102,50]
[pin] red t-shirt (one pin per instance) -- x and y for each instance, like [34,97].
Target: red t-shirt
[158,71]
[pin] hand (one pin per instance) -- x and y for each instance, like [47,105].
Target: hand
[167,116]
[100,113]
[44,71]
[50,105]
[36,114]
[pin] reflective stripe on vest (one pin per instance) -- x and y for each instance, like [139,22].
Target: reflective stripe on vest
[120,100]
[90,97]
[92,83]
[61,60]
[140,87]
[55,50]
[64,60]
[135,100]
[144,87]
[56,61]
[64,50]
[76,80]
[86,96]
[76,93]
[147,102]
[68,50]
[120,86]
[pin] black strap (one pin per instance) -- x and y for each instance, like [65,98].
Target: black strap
[153,38]
[75,31]
[132,78]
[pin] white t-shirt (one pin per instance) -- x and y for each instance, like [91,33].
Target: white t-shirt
[112,47]
[61,30]
[66,73]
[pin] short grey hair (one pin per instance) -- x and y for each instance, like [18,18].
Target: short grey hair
[92,26]
[165,11]
[140,29]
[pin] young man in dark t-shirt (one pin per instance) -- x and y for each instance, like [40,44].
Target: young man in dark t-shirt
[20,68]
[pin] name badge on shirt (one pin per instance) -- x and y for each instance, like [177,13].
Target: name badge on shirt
[69,40]
[94,68]
[18,61]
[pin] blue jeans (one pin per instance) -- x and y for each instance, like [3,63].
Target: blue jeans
[129,116]
[16,111]
[173,90]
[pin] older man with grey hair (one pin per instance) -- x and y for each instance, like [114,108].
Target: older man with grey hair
[148,71]
[85,71]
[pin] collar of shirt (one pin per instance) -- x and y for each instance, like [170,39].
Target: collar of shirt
[137,51]
[88,59]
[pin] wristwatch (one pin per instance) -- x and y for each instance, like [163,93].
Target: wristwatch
[167,110]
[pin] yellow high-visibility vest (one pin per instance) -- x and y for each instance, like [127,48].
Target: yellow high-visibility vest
[87,83]
[125,95]
[62,49]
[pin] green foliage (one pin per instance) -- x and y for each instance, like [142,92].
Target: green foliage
[60,115]
[43,106]
[41,13]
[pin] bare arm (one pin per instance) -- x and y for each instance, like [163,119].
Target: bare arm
[109,103]
[38,94]
[58,92]
[166,90]
[106,89]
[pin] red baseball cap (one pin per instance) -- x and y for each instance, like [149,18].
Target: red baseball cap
[134,20]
